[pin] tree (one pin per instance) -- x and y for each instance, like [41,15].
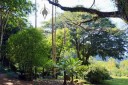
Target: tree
[62,41]
[10,30]
[93,38]
[13,12]
[104,43]
[79,20]
[122,11]
[28,48]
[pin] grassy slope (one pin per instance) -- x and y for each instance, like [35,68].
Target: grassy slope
[117,81]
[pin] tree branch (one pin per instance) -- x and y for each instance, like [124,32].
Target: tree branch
[79,24]
[89,20]
[83,9]
[92,4]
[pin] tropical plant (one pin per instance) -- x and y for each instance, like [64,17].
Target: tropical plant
[69,65]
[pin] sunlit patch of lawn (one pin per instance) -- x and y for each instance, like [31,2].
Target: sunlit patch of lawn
[117,81]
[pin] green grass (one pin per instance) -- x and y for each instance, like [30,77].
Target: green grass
[114,81]
[117,81]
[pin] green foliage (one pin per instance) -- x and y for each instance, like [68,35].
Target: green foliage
[28,48]
[124,67]
[73,20]
[62,41]
[81,71]
[111,65]
[14,12]
[97,73]
[69,64]
[92,38]
[49,64]
[13,16]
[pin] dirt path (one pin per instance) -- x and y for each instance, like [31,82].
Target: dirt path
[8,81]
[4,80]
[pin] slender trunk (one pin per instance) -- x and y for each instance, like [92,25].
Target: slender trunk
[53,42]
[65,83]
[1,35]
[2,27]
[72,79]
[43,73]
[85,60]
[77,48]
[1,41]
[76,76]
[35,72]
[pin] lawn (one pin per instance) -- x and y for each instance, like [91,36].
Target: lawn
[117,81]
[114,81]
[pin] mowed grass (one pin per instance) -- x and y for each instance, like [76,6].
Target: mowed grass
[114,81]
[117,81]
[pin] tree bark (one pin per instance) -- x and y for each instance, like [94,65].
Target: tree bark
[0,33]
[72,79]
[85,60]
[77,48]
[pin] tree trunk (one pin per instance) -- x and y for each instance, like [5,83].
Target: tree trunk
[43,73]
[65,83]
[123,8]
[1,35]
[77,48]
[35,72]
[72,79]
[85,60]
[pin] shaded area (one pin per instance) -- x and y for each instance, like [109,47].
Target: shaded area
[48,82]
[4,80]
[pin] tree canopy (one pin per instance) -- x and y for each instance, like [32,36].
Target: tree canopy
[91,38]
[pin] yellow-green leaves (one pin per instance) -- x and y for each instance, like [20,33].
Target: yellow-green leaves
[28,46]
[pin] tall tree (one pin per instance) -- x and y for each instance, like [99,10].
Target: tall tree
[94,38]
[13,12]
[62,41]
[104,43]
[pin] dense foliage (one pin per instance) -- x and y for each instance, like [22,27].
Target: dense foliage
[90,38]
[96,74]
[13,18]
[28,49]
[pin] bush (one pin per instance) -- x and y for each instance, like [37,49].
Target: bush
[81,70]
[96,74]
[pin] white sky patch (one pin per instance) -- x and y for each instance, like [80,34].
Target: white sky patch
[102,5]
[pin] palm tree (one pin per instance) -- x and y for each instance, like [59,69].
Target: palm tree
[69,64]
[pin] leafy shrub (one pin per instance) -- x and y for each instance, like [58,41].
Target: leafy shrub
[81,70]
[96,74]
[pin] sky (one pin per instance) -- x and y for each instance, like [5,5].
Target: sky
[102,5]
